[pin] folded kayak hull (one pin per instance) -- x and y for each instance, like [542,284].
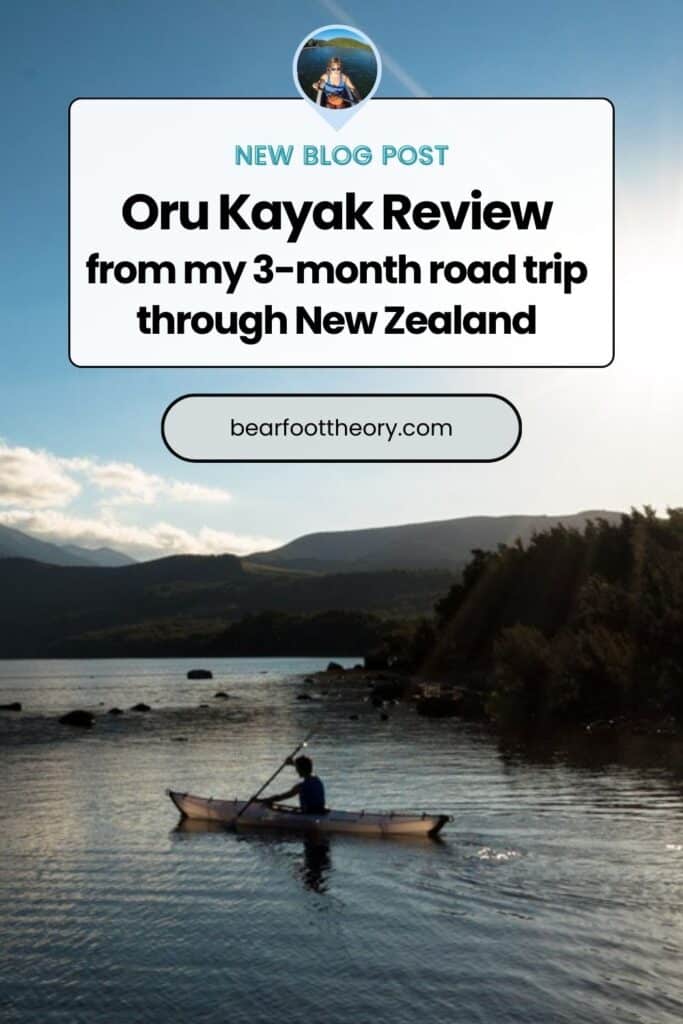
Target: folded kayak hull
[363,823]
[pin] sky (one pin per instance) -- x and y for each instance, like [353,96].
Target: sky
[81,458]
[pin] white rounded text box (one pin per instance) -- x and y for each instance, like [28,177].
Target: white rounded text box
[341,428]
[200,235]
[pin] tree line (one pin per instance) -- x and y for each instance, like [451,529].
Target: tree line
[573,626]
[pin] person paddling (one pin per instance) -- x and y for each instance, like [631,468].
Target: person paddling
[335,88]
[310,790]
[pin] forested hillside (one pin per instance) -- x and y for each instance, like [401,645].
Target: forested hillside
[572,625]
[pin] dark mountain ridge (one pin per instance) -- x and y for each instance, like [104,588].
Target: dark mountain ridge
[444,544]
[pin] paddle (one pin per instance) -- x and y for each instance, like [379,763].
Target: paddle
[275,774]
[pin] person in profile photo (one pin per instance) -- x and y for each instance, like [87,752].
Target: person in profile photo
[337,68]
[334,88]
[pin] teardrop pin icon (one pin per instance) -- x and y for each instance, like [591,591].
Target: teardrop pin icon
[337,69]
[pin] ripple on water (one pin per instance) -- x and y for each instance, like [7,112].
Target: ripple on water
[555,894]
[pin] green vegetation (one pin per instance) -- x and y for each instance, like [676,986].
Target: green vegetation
[259,634]
[340,633]
[572,627]
[338,43]
[184,606]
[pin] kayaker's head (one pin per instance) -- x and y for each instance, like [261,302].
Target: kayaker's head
[334,64]
[304,766]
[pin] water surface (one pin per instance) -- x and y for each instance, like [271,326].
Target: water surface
[555,895]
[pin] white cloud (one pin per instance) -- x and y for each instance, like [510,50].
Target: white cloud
[36,486]
[131,485]
[34,478]
[176,490]
[151,541]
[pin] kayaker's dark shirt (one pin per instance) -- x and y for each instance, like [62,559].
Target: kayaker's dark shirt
[312,795]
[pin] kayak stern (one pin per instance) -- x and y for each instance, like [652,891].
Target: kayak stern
[442,820]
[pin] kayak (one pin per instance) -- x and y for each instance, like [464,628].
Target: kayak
[364,823]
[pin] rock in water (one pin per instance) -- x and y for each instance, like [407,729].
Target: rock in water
[303,696]
[334,666]
[438,707]
[141,707]
[222,695]
[199,673]
[392,689]
[14,706]
[115,711]
[377,660]
[83,719]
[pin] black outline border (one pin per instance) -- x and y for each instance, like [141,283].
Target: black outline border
[400,366]
[340,394]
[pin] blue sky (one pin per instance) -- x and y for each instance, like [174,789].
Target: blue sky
[602,438]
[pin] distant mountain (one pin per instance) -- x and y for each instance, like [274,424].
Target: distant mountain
[17,544]
[444,544]
[107,557]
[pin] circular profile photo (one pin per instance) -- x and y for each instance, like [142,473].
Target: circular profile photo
[337,67]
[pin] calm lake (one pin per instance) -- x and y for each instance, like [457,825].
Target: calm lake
[556,894]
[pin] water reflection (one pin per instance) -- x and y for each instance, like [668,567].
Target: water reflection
[188,827]
[555,893]
[583,750]
[316,865]
[312,869]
